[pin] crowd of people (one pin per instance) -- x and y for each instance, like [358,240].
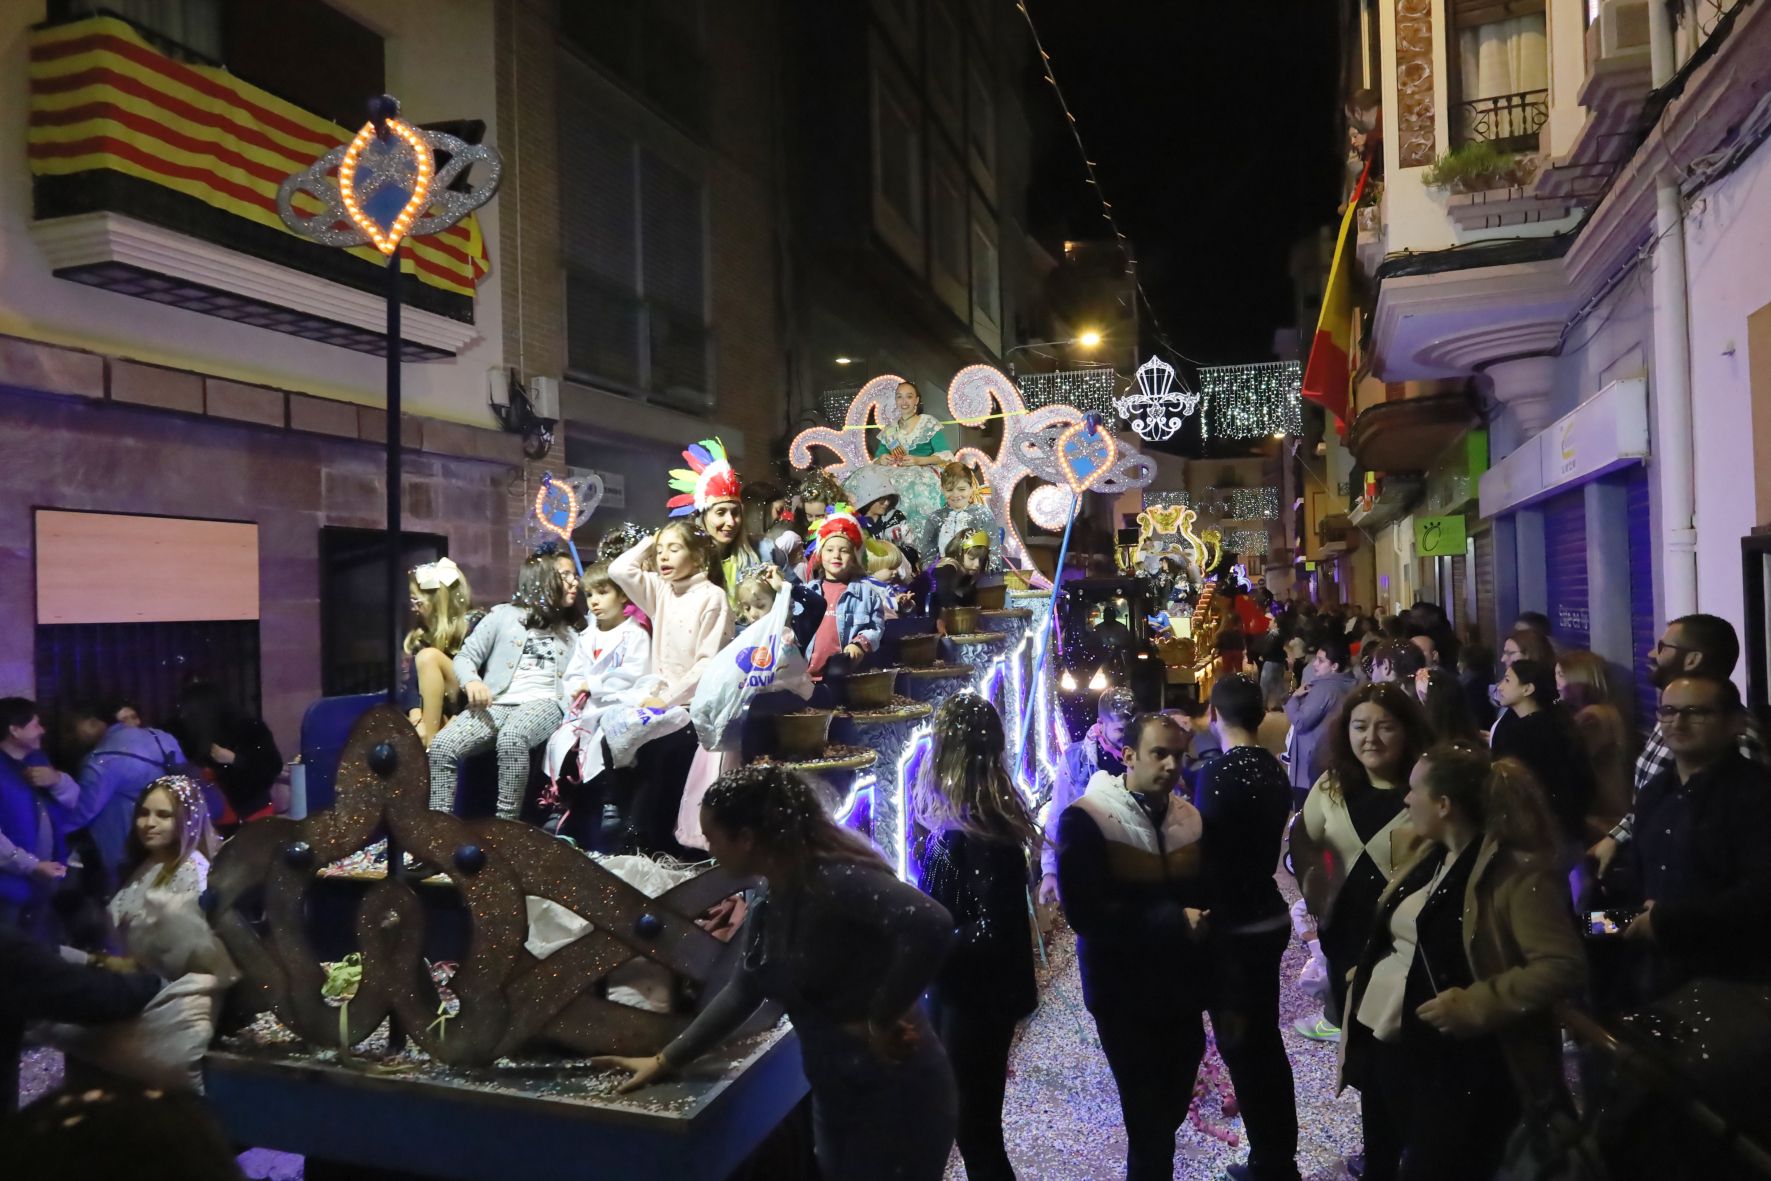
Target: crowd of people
[1476,843]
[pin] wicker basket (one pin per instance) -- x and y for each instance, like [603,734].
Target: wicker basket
[960,621]
[869,690]
[918,651]
[802,735]
[993,598]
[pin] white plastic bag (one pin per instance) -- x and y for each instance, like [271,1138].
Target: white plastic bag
[763,659]
[626,728]
[162,1046]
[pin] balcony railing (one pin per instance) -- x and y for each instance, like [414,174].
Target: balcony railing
[1509,121]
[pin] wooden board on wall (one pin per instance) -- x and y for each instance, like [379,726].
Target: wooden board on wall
[119,568]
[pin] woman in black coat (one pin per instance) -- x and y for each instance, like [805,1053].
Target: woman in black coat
[232,751]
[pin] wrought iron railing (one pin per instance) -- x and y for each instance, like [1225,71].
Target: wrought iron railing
[1509,121]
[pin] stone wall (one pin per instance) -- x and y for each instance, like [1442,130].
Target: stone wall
[108,457]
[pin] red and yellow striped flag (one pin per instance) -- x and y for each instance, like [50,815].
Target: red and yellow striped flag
[1329,374]
[103,98]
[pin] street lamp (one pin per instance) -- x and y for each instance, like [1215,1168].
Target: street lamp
[1090,338]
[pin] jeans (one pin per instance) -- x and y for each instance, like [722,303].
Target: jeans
[1245,1018]
[977,1044]
[1154,1056]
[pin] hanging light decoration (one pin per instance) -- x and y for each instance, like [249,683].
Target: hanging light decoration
[1252,401]
[1161,405]
[1253,504]
[1089,390]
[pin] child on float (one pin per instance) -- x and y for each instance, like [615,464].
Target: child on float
[612,666]
[167,855]
[961,514]
[711,492]
[691,621]
[889,569]
[443,615]
[854,620]
[511,671]
[879,514]
[758,591]
[953,582]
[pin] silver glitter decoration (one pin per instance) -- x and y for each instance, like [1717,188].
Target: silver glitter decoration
[391,161]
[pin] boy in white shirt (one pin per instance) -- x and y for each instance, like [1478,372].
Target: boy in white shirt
[612,666]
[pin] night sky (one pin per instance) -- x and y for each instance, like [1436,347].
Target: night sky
[1212,126]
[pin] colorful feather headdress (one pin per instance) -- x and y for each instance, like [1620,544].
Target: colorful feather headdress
[707,480]
[840,521]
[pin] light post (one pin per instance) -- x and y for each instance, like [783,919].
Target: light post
[1088,339]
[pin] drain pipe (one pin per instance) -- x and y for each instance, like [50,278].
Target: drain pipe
[1673,449]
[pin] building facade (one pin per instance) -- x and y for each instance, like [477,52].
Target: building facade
[1560,252]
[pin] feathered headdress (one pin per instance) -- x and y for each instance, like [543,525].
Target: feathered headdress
[840,521]
[707,480]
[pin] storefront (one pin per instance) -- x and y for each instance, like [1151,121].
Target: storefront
[1568,534]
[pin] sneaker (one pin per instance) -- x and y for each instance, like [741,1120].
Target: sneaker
[1317,1029]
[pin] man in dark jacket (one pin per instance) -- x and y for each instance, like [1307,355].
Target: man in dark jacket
[37,984]
[1129,878]
[1699,851]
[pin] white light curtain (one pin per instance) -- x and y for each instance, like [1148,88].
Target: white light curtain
[1502,58]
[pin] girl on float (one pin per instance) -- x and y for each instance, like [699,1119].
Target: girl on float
[442,613]
[974,837]
[691,621]
[911,450]
[168,853]
[847,949]
[710,492]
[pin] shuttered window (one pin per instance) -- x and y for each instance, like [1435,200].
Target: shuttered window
[1565,547]
[1485,587]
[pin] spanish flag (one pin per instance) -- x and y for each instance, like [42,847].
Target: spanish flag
[1328,376]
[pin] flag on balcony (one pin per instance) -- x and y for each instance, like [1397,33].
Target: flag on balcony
[1328,377]
[102,98]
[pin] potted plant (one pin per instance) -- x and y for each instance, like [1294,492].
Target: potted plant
[1477,167]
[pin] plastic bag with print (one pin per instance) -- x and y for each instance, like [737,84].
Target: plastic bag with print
[763,659]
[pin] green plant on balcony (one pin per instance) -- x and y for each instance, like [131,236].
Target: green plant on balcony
[1478,166]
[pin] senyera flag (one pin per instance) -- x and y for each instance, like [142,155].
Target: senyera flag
[1328,376]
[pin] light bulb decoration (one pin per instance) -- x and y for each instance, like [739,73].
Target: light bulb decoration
[382,188]
[1252,401]
[1098,682]
[1029,446]
[1161,406]
[1049,506]
[560,506]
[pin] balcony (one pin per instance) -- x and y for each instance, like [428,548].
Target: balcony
[1409,434]
[1617,82]
[1511,122]
[157,178]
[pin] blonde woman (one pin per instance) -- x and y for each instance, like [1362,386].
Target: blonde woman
[442,612]
[1583,681]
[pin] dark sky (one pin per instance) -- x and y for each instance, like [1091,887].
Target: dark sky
[1212,128]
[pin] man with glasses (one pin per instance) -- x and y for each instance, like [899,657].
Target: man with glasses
[1694,645]
[1699,848]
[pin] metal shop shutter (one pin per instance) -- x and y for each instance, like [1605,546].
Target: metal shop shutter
[1643,632]
[1565,549]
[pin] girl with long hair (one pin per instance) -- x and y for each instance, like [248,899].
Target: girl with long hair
[511,670]
[1449,1020]
[847,949]
[442,615]
[1542,735]
[974,834]
[1583,681]
[691,621]
[166,867]
[1353,831]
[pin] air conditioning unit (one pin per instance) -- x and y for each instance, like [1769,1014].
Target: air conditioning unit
[1620,30]
[544,396]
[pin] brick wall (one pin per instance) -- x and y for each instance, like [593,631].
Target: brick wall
[109,457]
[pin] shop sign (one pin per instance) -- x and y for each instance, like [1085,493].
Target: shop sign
[1439,536]
[1606,432]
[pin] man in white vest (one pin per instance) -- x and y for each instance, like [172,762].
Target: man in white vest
[1129,875]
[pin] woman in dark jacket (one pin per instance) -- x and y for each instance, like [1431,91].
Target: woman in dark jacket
[1449,1013]
[232,751]
[974,837]
[1543,736]
[848,950]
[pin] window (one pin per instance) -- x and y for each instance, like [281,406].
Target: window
[897,163]
[633,237]
[273,46]
[1502,77]
[946,66]
[986,285]
[654,48]
[981,124]
[354,607]
[949,225]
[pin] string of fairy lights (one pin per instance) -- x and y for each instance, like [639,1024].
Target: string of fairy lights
[1094,180]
